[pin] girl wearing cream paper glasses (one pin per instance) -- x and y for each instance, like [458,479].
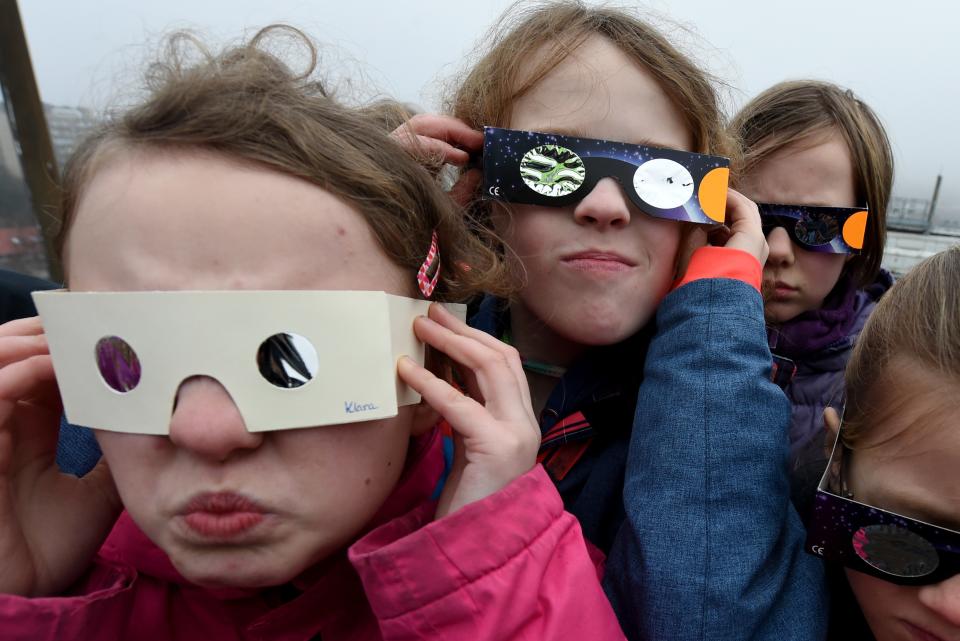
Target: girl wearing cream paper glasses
[239,174]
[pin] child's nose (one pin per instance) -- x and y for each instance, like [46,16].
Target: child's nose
[606,205]
[207,422]
[781,247]
[944,599]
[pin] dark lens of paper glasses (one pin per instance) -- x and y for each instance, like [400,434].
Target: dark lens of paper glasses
[816,229]
[118,363]
[287,360]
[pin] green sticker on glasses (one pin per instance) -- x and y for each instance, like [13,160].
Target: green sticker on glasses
[552,170]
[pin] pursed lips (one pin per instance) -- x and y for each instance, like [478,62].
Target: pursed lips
[221,515]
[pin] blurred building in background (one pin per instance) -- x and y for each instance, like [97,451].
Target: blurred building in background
[68,127]
[915,232]
[21,241]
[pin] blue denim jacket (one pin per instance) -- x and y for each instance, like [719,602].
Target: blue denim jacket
[711,547]
[684,485]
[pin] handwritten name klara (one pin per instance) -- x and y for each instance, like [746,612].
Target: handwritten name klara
[352,407]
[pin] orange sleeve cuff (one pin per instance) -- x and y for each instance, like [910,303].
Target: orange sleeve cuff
[722,262]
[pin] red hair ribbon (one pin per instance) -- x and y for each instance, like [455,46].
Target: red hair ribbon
[426,283]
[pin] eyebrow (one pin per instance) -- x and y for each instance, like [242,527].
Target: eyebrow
[576,132]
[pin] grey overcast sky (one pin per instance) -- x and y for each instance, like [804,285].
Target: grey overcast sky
[901,57]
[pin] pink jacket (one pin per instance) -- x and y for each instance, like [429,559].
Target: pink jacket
[513,566]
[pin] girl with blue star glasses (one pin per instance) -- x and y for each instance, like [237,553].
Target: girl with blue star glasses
[604,168]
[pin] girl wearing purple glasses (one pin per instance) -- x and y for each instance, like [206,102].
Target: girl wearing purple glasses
[818,162]
[889,505]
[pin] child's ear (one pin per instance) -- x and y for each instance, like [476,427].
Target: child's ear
[831,428]
[424,418]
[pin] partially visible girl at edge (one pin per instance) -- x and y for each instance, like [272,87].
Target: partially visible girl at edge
[236,173]
[696,522]
[813,143]
[899,451]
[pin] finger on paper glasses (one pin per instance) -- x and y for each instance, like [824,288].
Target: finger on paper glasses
[17,348]
[30,379]
[443,317]
[464,414]
[495,379]
[22,327]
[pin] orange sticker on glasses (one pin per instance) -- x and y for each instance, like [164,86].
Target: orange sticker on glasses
[713,193]
[855,229]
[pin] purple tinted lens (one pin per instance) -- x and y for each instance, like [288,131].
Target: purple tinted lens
[118,363]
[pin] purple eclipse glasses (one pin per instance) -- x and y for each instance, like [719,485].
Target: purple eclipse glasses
[831,230]
[874,541]
[554,170]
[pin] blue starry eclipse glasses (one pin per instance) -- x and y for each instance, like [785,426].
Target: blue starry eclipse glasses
[553,170]
[831,230]
[874,541]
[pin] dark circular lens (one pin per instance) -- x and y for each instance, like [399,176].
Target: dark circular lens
[287,360]
[118,363]
[895,550]
[552,170]
[816,229]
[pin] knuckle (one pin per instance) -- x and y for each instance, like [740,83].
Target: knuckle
[494,360]
[520,444]
[452,397]
[511,354]
[490,359]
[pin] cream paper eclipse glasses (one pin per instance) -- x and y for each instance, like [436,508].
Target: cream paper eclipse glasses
[288,359]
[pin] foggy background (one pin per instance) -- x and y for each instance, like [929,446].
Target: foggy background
[900,57]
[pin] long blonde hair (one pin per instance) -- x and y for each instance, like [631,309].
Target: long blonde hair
[246,104]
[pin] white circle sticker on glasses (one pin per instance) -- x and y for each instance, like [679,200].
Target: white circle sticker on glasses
[552,170]
[663,183]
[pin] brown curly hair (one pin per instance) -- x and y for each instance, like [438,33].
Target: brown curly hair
[246,104]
